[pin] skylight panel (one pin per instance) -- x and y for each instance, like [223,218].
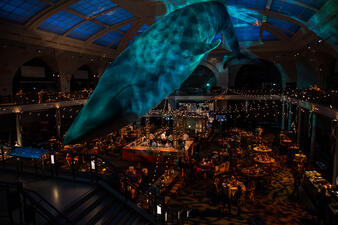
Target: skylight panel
[20,11]
[267,36]
[84,31]
[108,38]
[92,7]
[251,4]
[60,22]
[125,28]
[250,33]
[292,10]
[285,27]
[115,16]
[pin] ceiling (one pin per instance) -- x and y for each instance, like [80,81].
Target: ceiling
[115,24]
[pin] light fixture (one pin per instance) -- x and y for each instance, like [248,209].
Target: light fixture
[92,164]
[52,159]
[158,210]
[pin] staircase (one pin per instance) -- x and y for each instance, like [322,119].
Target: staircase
[101,207]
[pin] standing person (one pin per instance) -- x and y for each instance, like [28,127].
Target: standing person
[251,191]
[228,197]
[237,198]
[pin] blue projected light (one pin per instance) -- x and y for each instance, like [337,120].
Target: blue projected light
[154,65]
[84,31]
[92,7]
[125,28]
[283,26]
[115,16]
[251,4]
[267,36]
[20,11]
[250,33]
[292,10]
[60,22]
[108,38]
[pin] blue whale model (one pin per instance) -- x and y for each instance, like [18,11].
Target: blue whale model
[151,68]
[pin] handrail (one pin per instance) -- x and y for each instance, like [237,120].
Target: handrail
[46,213]
[147,190]
[59,214]
[116,170]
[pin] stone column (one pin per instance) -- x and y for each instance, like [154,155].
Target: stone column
[58,123]
[335,160]
[289,115]
[283,114]
[313,135]
[299,125]
[18,129]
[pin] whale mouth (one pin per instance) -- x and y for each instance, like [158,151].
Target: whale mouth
[113,114]
[113,124]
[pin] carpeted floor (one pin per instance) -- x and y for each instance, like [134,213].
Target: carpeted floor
[273,204]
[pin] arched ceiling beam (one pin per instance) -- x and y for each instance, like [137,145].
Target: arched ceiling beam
[129,36]
[272,29]
[111,44]
[89,18]
[44,14]
[111,28]
[281,17]
[265,19]
[301,4]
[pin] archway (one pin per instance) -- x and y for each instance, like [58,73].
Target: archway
[83,78]
[262,75]
[35,75]
[200,81]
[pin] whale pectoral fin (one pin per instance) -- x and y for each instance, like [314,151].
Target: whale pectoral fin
[199,49]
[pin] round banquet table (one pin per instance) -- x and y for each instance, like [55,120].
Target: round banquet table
[263,150]
[286,141]
[300,158]
[269,161]
[293,147]
[253,172]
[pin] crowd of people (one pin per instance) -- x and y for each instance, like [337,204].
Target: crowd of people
[43,96]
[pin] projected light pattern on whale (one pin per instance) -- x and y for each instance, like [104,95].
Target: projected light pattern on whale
[152,67]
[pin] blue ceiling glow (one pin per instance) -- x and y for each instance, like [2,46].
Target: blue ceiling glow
[125,28]
[60,22]
[250,33]
[116,44]
[267,36]
[284,26]
[251,4]
[108,38]
[292,10]
[54,0]
[92,7]
[115,16]
[143,28]
[84,31]
[315,3]
[20,11]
